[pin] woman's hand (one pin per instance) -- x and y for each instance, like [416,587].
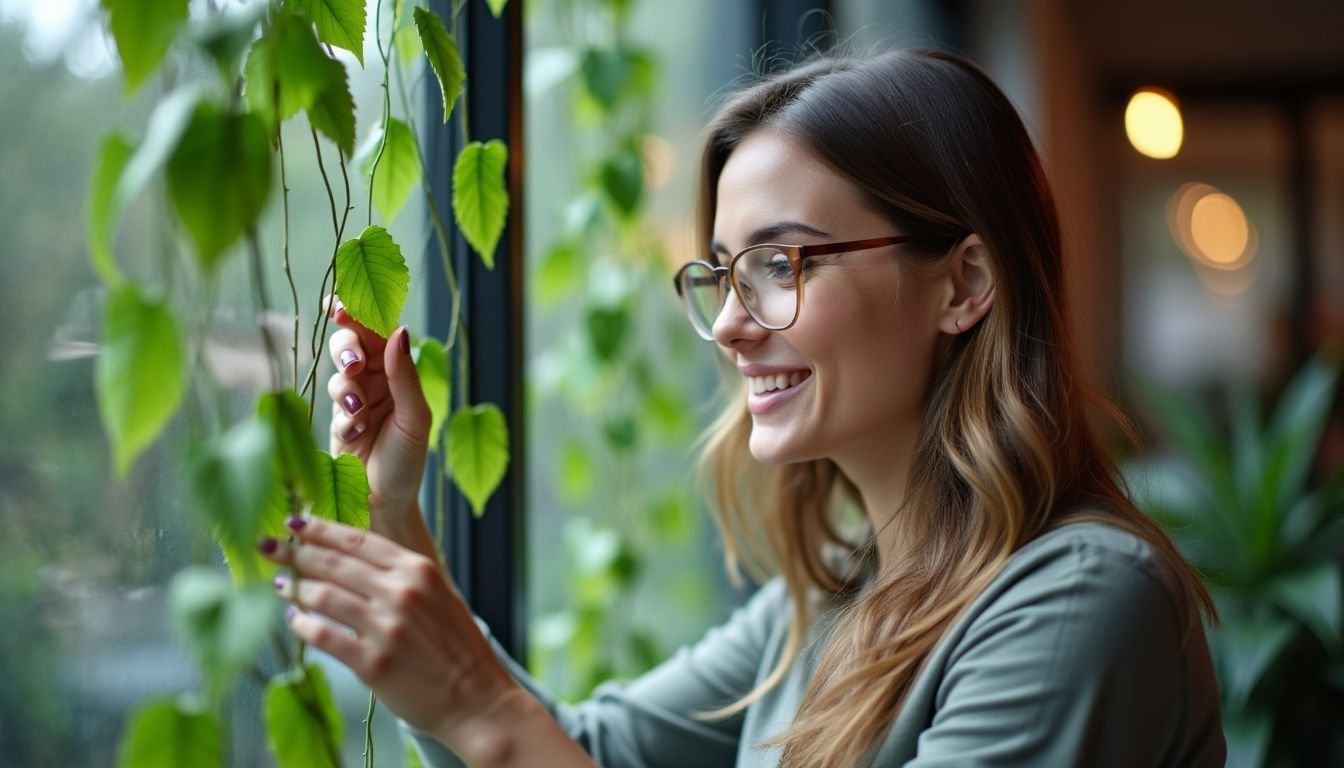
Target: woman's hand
[414,641]
[378,412]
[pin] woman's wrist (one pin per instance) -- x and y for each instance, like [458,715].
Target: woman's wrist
[497,735]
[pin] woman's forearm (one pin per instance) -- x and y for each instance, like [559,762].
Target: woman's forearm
[406,526]
[514,731]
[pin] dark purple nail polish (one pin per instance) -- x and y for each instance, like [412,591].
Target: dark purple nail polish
[296,523]
[406,341]
[290,612]
[352,403]
[268,546]
[348,358]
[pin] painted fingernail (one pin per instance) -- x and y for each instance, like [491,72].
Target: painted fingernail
[268,546]
[352,403]
[354,431]
[348,358]
[296,523]
[280,581]
[290,612]
[405,341]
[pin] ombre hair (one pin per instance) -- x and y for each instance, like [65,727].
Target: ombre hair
[1005,451]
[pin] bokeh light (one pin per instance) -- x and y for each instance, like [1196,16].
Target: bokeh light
[1153,123]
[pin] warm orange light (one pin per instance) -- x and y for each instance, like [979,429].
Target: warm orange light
[1220,230]
[1153,123]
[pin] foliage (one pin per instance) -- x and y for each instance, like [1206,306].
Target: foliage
[1245,509]
[214,146]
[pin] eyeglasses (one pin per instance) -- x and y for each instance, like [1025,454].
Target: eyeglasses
[767,278]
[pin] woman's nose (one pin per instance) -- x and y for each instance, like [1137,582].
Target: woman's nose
[734,326]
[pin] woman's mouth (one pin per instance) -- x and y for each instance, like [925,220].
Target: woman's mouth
[769,391]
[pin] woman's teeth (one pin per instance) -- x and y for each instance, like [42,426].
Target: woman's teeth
[763,384]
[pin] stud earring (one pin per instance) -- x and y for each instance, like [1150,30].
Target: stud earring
[957,320]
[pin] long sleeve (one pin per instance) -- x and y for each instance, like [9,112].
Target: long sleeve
[650,721]
[1086,659]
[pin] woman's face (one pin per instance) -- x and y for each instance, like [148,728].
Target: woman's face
[855,366]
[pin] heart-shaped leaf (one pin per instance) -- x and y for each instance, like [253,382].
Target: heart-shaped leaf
[372,280]
[139,377]
[398,168]
[143,32]
[497,6]
[236,480]
[343,495]
[478,452]
[286,415]
[480,196]
[164,733]
[431,363]
[333,109]
[113,156]
[339,22]
[442,53]
[303,725]
[286,69]
[219,177]
[224,627]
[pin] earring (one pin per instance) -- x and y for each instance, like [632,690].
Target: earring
[957,320]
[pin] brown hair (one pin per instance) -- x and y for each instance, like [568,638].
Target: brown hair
[1005,451]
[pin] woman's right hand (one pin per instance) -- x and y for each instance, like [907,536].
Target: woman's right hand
[379,413]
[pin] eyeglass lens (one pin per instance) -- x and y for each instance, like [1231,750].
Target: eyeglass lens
[765,284]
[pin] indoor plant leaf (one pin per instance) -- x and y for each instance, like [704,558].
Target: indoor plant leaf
[299,735]
[286,69]
[143,31]
[339,22]
[222,626]
[113,155]
[332,112]
[480,197]
[219,177]
[139,377]
[478,452]
[163,733]
[235,479]
[343,494]
[442,53]
[1313,595]
[398,169]
[1244,650]
[497,6]
[431,363]
[372,279]
[286,415]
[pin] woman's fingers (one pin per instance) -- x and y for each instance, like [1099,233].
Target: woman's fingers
[328,599]
[373,344]
[347,393]
[322,635]
[364,545]
[346,351]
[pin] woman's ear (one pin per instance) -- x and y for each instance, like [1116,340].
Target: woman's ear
[970,286]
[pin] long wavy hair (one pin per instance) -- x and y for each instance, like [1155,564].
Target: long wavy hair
[1005,450]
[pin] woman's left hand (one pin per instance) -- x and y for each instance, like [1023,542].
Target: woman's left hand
[413,640]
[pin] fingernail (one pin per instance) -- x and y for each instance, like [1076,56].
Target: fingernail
[296,523]
[354,431]
[268,546]
[280,581]
[405,341]
[348,358]
[290,612]
[352,403]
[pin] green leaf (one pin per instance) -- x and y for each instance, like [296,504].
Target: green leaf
[398,171]
[1314,596]
[576,472]
[246,564]
[1248,735]
[344,493]
[411,759]
[608,328]
[225,36]
[606,74]
[236,479]
[339,22]
[165,734]
[223,627]
[480,197]
[332,112]
[1190,429]
[431,363]
[115,153]
[162,136]
[559,272]
[497,6]
[143,30]
[441,51]
[286,414]
[139,377]
[286,69]
[372,280]
[622,177]
[1296,427]
[303,726]
[1245,649]
[478,452]
[405,37]
[219,178]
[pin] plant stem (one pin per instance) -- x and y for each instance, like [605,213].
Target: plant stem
[338,226]
[259,283]
[368,731]
[387,101]
[284,247]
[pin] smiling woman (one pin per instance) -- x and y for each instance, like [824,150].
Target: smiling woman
[883,271]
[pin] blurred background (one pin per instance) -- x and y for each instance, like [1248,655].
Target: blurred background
[1197,154]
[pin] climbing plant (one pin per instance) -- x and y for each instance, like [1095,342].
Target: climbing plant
[227,79]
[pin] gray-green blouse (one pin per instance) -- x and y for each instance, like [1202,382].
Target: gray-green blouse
[1081,653]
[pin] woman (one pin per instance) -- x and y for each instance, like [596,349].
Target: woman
[884,273]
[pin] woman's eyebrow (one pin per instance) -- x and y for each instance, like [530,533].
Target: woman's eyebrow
[772,232]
